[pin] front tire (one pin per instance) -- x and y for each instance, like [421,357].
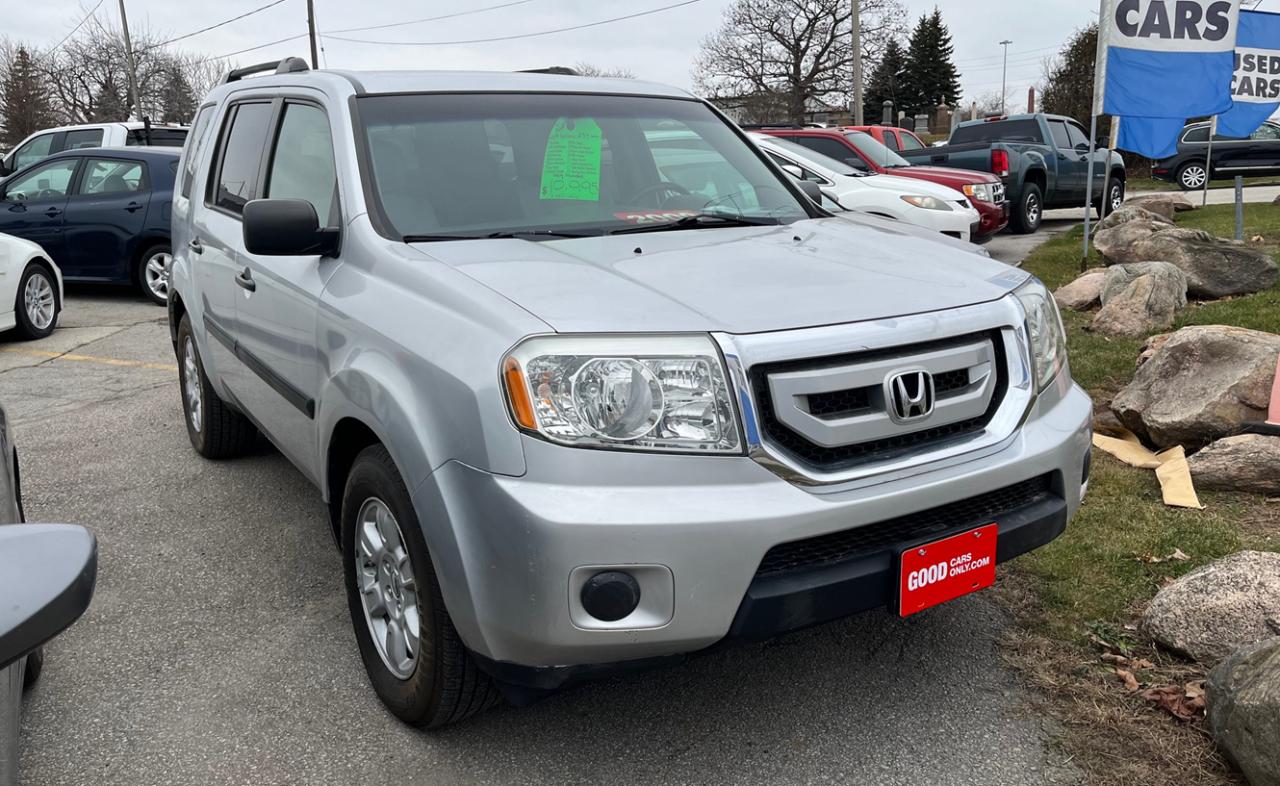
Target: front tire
[35,665]
[215,429]
[1030,210]
[415,659]
[35,310]
[153,273]
[1192,176]
[1114,199]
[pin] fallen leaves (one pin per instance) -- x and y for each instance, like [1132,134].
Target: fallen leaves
[1183,703]
[1178,555]
[1137,664]
[1130,682]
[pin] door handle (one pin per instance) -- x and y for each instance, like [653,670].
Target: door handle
[53,212]
[133,207]
[245,280]
[195,246]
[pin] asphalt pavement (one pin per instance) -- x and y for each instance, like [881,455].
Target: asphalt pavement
[218,649]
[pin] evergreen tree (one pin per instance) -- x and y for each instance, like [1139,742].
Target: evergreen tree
[177,101]
[886,82]
[23,103]
[1068,81]
[931,76]
[109,106]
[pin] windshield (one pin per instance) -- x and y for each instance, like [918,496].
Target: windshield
[872,149]
[804,154]
[560,164]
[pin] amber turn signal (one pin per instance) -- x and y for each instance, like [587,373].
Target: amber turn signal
[518,394]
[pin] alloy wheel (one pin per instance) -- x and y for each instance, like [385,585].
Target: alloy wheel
[39,300]
[1193,177]
[1117,198]
[388,590]
[1033,210]
[156,274]
[191,385]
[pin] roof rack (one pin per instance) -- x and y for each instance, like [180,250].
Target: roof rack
[289,65]
[561,70]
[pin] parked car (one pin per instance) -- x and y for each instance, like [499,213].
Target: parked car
[892,137]
[1259,155]
[47,575]
[573,417]
[861,151]
[102,214]
[43,144]
[30,281]
[913,201]
[1043,160]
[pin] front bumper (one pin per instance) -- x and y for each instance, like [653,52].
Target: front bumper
[505,548]
[994,219]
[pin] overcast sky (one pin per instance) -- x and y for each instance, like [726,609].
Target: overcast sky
[659,47]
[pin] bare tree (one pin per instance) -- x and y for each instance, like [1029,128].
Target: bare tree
[589,69]
[796,50]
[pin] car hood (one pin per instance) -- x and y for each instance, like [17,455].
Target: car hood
[951,178]
[736,280]
[910,185]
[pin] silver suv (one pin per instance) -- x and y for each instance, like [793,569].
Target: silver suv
[581,400]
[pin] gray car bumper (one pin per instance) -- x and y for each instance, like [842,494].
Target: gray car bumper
[510,552]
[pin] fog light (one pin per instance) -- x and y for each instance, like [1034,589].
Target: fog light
[611,595]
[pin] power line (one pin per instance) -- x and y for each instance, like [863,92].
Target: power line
[77,27]
[1011,55]
[212,27]
[428,19]
[259,46]
[519,35]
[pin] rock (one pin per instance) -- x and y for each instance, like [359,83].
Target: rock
[1166,205]
[1152,346]
[1202,385]
[1243,694]
[1105,421]
[1140,298]
[1213,611]
[1083,293]
[1128,213]
[1249,462]
[1117,243]
[1215,268]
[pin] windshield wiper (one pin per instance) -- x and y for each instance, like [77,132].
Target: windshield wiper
[515,233]
[699,221]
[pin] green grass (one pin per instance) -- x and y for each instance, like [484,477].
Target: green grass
[1091,578]
[1138,184]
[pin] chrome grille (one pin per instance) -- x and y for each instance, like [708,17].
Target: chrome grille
[998,193]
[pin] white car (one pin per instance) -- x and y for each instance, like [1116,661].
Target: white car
[45,143]
[903,199]
[30,289]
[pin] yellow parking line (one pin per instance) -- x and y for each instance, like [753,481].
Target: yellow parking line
[42,353]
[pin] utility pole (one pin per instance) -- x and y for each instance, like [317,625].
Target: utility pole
[129,61]
[1004,79]
[311,31]
[857,63]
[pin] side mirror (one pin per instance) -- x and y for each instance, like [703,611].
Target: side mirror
[47,575]
[793,170]
[1082,148]
[5,168]
[811,190]
[287,228]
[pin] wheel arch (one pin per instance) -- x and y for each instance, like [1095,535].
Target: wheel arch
[142,245]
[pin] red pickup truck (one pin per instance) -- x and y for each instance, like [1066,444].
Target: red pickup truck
[862,148]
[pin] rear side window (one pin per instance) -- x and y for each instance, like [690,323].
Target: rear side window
[195,143]
[1200,134]
[1003,131]
[156,137]
[112,176]
[302,166]
[88,137]
[833,149]
[241,156]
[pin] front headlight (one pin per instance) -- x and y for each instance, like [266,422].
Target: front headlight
[1045,331]
[626,393]
[983,192]
[926,202]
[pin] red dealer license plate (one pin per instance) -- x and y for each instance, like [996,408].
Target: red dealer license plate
[944,570]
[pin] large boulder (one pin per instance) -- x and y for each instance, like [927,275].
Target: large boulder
[1203,384]
[1084,293]
[1117,244]
[1249,462]
[1166,205]
[1215,610]
[1140,298]
[1243,693]
[1130,212]
[1215,267]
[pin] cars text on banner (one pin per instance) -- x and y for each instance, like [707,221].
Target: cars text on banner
[1164,61]
[1255,89]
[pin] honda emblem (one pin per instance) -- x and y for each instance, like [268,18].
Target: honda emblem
[909,396]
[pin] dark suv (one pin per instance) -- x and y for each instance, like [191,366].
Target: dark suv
[1259,154]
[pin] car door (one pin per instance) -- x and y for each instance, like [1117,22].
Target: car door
[216,244]
[1072,166]
[104,217]
[34,203]
[276,317]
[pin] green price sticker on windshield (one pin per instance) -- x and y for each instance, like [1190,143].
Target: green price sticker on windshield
[571,166]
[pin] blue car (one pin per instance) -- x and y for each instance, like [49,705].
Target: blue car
[102,214]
